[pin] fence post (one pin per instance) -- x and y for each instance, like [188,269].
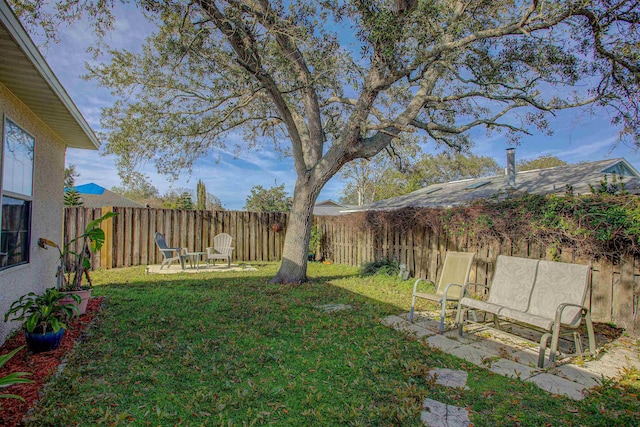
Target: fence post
[106,252]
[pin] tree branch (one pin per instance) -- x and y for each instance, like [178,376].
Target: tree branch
[243,44]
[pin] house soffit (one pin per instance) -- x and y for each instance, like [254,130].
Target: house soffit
[25,73]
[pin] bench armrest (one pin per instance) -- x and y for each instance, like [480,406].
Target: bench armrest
[584,310]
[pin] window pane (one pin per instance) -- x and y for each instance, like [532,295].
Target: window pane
[14,237]
[18,160]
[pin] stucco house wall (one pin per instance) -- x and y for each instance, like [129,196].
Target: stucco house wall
[49,152]
[32,98]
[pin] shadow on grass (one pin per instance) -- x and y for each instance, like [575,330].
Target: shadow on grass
[232,349]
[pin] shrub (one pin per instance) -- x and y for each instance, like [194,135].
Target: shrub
[382,267]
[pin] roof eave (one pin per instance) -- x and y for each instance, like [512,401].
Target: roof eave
[33,55]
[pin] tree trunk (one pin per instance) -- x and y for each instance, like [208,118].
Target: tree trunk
[296,242]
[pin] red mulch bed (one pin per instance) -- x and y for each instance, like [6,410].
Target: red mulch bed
[41,365]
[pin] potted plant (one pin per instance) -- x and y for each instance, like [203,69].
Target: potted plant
[71,281]
[44,318]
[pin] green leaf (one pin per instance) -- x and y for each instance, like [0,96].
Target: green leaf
[5,357]
[32,322]
[14,378]
[12,396]
[56,325]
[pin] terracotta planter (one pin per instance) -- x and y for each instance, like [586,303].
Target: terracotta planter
[39,343]
[84,294]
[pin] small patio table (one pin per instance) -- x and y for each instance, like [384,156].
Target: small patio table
[194,257]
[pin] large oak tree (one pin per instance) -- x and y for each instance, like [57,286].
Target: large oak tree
[331,81]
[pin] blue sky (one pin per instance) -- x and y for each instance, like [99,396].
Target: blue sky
[578,136]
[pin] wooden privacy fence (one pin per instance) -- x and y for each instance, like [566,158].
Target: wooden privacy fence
[615,288]
[130,235]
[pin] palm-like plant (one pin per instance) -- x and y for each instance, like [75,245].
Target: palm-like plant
[42,313]
[12,378]
[92,240]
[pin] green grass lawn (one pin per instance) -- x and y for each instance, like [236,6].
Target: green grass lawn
[231,349]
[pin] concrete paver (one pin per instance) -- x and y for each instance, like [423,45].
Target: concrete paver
[527,357]
[556,385]
[468,339]
[495,347]
[393,321]
[449,377]
[334,307]
[442,343]
[474,355]
[578,375]
[438,414]
[511,369]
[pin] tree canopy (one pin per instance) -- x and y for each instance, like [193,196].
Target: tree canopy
[137,188]
[542,162]
[331,81]
[378,179]
[274,199]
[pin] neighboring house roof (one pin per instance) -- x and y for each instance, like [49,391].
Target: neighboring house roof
[95,196]
[24,71]
[330,208]
[90,188]
[579,177]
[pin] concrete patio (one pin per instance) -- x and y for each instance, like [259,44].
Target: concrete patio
[202,268]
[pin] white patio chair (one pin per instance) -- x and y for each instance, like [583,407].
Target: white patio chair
[221,249]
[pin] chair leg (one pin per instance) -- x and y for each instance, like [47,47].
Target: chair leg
[592,341]
[577,341]
[444,309]
[413,303]
[496,322]
[459,319]
[554,342]
[543,347]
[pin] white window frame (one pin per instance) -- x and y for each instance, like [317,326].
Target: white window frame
[24,197]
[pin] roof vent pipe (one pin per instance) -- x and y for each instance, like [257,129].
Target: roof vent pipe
[511,167]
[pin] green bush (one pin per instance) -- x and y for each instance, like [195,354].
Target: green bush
[382,267]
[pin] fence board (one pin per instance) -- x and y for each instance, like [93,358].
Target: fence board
[623,295]
[601,293]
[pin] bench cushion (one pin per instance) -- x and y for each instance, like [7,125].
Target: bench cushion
[512,282]
[558,283]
